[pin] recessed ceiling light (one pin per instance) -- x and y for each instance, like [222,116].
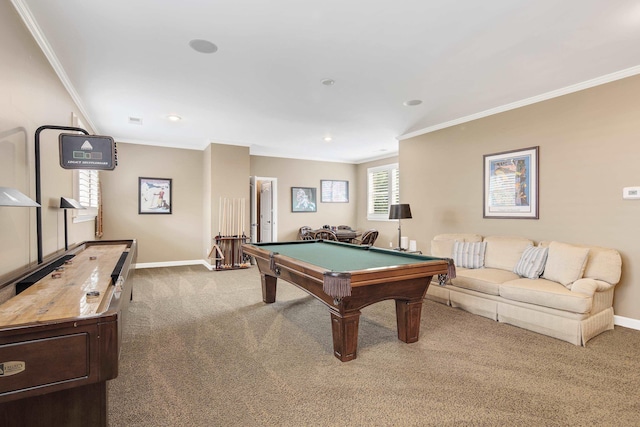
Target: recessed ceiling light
[174,118]
[203,46]
[412,103]
[327,139]
[135,120]
[328,82]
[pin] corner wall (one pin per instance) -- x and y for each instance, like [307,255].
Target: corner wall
[308,173]
[161,237]
[589,151]
[387,230]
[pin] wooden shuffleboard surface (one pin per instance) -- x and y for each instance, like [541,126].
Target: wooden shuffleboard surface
[65,295]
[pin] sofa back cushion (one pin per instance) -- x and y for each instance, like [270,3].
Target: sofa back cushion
[565,263]
[504,252]
[442,244]
[602,263]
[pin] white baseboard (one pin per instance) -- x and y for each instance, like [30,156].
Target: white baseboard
[174,264]
[627,322]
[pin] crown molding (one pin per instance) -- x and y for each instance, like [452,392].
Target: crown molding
[618,75]
[35,30]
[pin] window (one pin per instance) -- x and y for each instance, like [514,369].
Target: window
[85,186]
[86,192]
[383,186]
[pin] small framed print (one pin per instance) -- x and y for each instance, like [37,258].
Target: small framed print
[154,196]
[303,199]
[334,191]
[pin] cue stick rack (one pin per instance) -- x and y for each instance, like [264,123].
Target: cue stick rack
[227,247]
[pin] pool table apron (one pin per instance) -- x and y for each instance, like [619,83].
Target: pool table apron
[407,289]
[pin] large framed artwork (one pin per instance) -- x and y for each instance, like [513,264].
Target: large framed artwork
[154,195]
[303,199]
[511,184]
[332,191]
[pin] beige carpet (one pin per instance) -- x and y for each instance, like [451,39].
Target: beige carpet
[202,349]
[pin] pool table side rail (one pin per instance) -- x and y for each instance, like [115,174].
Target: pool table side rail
[370,276]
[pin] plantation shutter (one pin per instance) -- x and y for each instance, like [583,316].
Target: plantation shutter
[383,190]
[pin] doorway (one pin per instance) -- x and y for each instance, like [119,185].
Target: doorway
[264,209]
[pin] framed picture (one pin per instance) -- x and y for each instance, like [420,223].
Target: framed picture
[334,191]
[154,195]
[511,184]
[303,199]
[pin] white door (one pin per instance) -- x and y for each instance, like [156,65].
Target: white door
[266,211]
[267,227]
[253,210]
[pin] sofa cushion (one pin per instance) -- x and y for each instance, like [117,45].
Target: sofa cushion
[565,263]
[546,293]
[504,252]
[532,261]
[485,280]
[442,244]
[468,254]
[603,264]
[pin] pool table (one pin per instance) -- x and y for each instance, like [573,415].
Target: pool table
[347,278]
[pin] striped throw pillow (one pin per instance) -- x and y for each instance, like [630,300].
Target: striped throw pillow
[532,262]
[469,254]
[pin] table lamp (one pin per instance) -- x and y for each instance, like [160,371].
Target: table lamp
[12,197]
[68,203]
[401,211]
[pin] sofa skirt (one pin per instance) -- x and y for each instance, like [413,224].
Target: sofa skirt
[575,328]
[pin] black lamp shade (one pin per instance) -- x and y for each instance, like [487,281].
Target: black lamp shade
[68,203]
[401,211]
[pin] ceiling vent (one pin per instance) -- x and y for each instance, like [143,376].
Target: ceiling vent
[135,121]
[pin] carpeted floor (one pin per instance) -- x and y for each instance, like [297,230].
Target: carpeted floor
[202,349]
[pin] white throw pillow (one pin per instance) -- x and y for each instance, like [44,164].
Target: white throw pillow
[565,263]
[469,255]
[532,262]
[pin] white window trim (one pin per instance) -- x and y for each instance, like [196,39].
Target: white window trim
[385,216]
[81,215]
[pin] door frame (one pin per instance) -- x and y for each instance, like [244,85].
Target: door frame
[254,226]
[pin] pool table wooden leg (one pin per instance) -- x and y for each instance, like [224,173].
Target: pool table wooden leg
[345,335]
[408,315]
[268,288]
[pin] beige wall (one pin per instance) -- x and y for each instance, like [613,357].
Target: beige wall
[31,95]
[161,238]
[588,152]
[307,173]
[230,170]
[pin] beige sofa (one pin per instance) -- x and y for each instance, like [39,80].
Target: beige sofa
[571,301]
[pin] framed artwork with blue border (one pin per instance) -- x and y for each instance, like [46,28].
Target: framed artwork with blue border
[511,184]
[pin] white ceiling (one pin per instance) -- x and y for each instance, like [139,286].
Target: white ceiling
[464,59]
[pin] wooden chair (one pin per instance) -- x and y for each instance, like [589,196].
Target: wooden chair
[368,238]
[305,233]
[325,235]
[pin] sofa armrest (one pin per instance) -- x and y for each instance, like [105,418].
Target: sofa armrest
[589,286]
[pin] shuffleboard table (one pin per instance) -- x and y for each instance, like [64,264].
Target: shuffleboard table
[348,278]
[61,334]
